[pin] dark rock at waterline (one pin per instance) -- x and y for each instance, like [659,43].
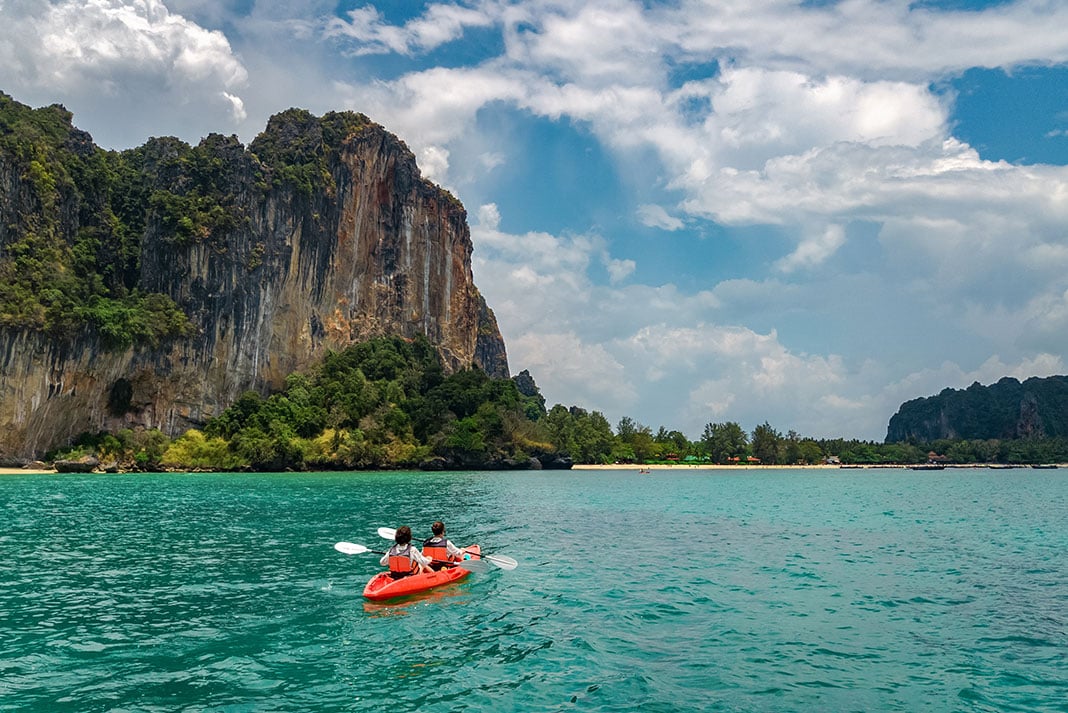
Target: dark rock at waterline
[556,462]
[85,464]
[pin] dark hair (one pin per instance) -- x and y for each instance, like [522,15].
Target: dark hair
[404,535]
[438,528]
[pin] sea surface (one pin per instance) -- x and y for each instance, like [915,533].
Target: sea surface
[689,590]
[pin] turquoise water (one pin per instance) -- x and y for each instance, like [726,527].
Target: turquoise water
[880,590]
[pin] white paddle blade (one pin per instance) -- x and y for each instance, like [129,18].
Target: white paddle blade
[387,533]
[501,561]
[472,565]
[350,548]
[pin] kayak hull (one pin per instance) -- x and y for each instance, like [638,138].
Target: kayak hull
[382,586]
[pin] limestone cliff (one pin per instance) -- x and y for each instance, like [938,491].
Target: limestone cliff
[319,234]
[1008,409]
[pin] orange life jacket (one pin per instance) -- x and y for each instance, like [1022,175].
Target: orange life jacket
[401,563]
[436,551]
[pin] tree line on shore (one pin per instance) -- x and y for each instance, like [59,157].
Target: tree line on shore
[387,403]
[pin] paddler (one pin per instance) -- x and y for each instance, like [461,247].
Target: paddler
[403,559]
[439,549]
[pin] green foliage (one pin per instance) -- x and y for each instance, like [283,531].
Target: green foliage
[586,437]
[134,319]
[68,260]
[382,403]
[724,441]
[191,190]
[465,436]
[1008,409]
[193,451]
[133,448]
[767,445]
[634,443]
[296,148]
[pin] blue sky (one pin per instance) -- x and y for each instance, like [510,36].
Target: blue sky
[686,212]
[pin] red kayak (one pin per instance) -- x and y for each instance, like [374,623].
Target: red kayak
[382,586]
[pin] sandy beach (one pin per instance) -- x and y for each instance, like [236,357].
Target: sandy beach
[26,471]
[949,466]
[702,466]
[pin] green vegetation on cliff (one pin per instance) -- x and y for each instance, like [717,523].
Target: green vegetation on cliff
[296,147]
[75,217]
[70,234]
[1009,409]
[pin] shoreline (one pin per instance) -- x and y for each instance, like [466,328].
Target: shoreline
[708,466]
[701,466]
[27,471]
[679,467]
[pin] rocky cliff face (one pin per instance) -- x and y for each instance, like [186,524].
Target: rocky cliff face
[321,234]
[1008,409]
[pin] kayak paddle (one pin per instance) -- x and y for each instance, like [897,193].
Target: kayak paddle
[351,548]
[388,533]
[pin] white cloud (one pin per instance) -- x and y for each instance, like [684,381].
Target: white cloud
[489,217]
[491,160]
[434,163]
[610,348]
[655,216]
[371,34]
[813,251]
[868,37]
[571,370]
[136,60]
[237,107]
[757,114]
[682,363]
[619,270]
[432,108]
[597,43]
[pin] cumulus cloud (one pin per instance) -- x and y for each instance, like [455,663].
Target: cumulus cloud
[237,110]
[813,251]
[434,163]
[371,34]
[108,56]
[619,270]
[489,217]
[655,216]
[869,38]
[574,370]
[611,348]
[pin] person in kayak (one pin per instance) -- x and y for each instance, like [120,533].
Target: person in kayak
[403,559]
[439,549]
